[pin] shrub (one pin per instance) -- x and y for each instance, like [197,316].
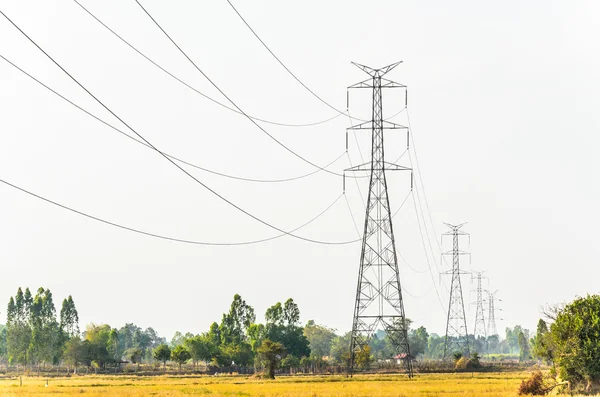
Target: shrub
[465,363]
[534,385]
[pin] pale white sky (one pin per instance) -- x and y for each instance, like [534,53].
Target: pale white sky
[503,102]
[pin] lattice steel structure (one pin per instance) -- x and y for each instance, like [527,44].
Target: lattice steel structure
[457,336]
[479,329]
[378,302]
[492,313]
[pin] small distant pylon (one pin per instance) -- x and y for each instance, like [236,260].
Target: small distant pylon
[492,313]
[479,329]
[457,336]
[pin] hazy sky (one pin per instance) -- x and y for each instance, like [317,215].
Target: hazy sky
[503,101]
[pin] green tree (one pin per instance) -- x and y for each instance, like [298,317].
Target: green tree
[417,341]
[363,357]
[320,339]
[18,330]
[112,346]
[134,355]
[180,355]
[162,353]
[290,362]
[435,346]
[69,318]
[282,325]
[199,348]
[235,354]
[524,353]
[541,343]
[75,352]
[576,339]
[235,323]
[340,349]
[270,354]
[97,337]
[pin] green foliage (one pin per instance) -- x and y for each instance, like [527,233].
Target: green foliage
[235,323]
[33,334]
[282,326]
[457,356]
[270,354]
[576,338]
[290,362]
[200,348]
[69,318]
[363,357]
[180,355]
[542,343]
[134,355]
[75,352]
[320,339]
[235,354]
[417,340]
[97,337]
[524,353]
[340,349]
[162,353]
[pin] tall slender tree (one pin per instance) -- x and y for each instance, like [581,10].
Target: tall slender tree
[69,318]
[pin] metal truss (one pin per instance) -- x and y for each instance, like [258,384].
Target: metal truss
[379,304]
[457,336]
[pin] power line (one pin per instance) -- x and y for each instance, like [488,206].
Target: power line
[427,256]
[230,100]
[181,81]
[163,237]
[281,63]
[245,179]
[421,180]
[166,157]
[190,86]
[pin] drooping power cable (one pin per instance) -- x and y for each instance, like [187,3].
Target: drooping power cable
[193,88]
[230,100]
[239,178]
[237,207]
[163,237]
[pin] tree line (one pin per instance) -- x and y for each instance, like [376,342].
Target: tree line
[35,335]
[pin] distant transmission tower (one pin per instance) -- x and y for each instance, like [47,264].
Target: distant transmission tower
[479,329]
[492,313]
[457,336]
[379,302]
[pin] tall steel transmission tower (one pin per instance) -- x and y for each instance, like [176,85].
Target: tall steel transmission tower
[479,329]
[492,313]
[379,303]
[457,336]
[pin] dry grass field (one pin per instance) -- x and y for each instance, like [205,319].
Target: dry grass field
[447,385]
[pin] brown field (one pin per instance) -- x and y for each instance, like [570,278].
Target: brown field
[448,385]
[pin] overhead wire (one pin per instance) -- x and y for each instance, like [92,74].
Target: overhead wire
[282,64]
[214,192]
[427,257]
[230,176]
[421,181]
[229,99]
[181,81]
[164,237]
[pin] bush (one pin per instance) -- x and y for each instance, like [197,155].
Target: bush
[534,385]
[467,364]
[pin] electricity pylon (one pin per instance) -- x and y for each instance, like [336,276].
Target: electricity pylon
[492,313]
[457,336]
[479,329]
[379,303]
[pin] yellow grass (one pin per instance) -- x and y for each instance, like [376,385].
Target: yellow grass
[447,385]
